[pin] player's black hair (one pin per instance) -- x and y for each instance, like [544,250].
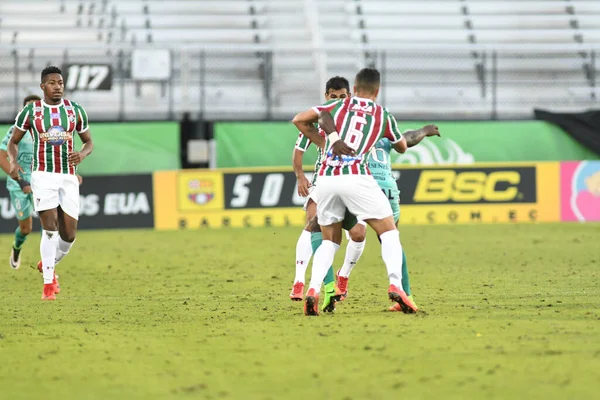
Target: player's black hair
[50,70]
[29,98]
[367,79]
[337,83]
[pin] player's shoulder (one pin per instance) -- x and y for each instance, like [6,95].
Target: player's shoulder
[73,104]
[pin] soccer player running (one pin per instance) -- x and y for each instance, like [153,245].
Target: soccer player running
[344,181]
[310,239]
[52,123]
[20,189]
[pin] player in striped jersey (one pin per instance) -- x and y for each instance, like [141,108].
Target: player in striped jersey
[310,239]
[345,182]
[52,122]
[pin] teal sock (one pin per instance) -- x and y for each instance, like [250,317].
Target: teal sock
[316,238]
[405,280]
[19,238]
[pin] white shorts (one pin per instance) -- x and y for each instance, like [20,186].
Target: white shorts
[51,190]
[311,192]
[360,194]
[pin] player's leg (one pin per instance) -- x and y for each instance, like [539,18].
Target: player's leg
[304,251]
[68,215]
[45,186]
[23,208]
[330,214]
[356,244]
[366,200]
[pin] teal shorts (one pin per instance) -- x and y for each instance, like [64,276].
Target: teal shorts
[22,203]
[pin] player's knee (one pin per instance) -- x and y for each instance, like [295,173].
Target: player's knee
[358,236]
[25,228]
[313,225]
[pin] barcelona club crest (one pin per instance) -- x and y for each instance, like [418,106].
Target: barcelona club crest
[201,191]
[56,136]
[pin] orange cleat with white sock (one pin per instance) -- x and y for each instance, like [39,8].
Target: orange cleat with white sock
[342,284]
[311,304]
[48,292]
[55,283]
[297,292]
[399,297]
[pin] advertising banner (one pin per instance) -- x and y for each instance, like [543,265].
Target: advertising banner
[259,197]
[260,144]
[580,191]
[106,202]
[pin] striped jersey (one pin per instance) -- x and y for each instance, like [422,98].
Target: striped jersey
[360,123]
[52,128]
[303,143]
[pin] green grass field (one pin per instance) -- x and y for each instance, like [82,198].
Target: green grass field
[509,312]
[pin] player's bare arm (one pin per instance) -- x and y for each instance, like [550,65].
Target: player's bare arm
[338,147]
[305,122]
[413,138]
[13,152]
[77,157]
[303,183]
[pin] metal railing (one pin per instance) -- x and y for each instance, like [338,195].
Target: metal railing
[262,83]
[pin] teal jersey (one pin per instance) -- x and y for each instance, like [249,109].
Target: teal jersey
[25,158]
[380,164]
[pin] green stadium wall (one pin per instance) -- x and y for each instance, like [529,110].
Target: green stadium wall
[261,144]
[130,148]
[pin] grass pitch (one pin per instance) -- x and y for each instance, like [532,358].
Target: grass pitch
[509,312]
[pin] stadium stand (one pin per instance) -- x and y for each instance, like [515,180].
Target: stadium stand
[266,58]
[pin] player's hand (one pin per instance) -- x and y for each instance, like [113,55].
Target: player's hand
[26,188]
[79,178]
[75,158]
[303,185]
[15,168]
[432,130]
[340,148]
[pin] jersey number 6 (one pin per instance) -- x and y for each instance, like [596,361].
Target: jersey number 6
[355,133]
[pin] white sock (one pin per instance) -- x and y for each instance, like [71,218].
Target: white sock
[391,252]
[303,253]
[321,262]
[62,249]
[353,252]
[48,247]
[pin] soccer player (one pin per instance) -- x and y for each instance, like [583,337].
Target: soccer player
[52,123]
[344,181]
[20,190]
[336,88]
[380,166]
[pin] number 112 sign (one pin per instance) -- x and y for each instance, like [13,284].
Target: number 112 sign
[88,77]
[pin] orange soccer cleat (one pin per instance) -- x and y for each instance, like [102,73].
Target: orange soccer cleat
[399,297]
[48,292]
[55,283]
[297,291]
[342,284]
[311,304]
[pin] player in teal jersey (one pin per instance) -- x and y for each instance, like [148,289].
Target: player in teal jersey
[20,190]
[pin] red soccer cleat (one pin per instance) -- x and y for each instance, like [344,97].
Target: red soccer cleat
[54,281]
[48,292]
[297,292]
[399,297]
[311,304]
[342,284]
